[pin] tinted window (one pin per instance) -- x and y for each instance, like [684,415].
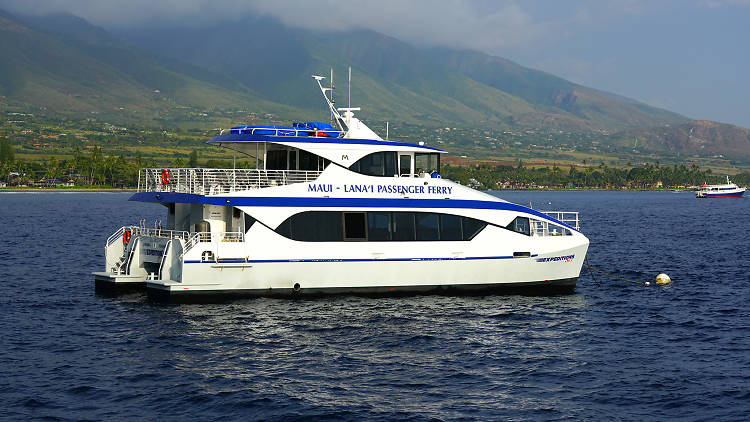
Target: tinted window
[285,228]
[337,226]
[404,165]
[249,221]
[450,227]
[390,164]
[427,163]
[427,226]
[378,225]
[312,226]
[373,165]
[292,160]
[376,164]
[276,160]
[471,227]
[520,225]
[354,226]
[308,161]
[403,226]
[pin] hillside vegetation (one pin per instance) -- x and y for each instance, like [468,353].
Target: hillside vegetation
[257,70]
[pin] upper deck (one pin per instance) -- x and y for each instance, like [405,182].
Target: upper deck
[217,181]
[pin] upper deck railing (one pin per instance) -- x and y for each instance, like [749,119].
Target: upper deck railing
[543,228]
[134,231]
[217,181]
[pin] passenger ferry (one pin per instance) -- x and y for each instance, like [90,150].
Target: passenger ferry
[335,210]
[728,190]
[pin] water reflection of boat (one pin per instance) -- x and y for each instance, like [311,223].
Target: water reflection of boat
[727,190]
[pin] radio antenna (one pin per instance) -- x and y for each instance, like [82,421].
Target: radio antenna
[332,100]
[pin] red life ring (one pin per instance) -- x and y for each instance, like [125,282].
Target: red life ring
[164,177]
[125,237]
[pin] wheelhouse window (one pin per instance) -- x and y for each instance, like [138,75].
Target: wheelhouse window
[376,164]
[404,165]
[427,163]
[379,226]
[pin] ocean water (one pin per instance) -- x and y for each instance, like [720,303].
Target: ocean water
[613,350]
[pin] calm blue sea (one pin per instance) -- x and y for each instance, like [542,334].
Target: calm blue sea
[614,351]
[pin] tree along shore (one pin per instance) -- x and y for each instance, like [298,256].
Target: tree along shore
[646,177]
[95,170]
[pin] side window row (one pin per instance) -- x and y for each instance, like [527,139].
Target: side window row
[384,164]
[378,226]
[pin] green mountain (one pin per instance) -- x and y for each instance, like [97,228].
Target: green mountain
[394,80]
[552,94]
[63,66]
[278,62]
[60,65]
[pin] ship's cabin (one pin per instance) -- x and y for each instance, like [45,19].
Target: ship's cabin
[403,160]
[283,158]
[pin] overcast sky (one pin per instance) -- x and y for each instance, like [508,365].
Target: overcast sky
[688,56]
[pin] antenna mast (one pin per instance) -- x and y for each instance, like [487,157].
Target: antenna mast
[336,116]
[332,100]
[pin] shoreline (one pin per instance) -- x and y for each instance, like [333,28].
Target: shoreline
[28,189]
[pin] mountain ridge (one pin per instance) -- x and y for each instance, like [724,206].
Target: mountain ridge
[65,75]
[697,137]
[420,73]
[62,65]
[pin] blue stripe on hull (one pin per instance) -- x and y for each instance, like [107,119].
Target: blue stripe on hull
[302,202]
[252,261]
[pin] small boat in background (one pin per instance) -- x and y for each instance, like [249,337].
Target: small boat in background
[728,190]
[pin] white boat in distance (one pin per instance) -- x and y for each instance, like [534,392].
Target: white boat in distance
[335,210]
[727,190]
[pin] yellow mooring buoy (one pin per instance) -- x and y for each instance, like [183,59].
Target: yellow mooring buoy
[662,279]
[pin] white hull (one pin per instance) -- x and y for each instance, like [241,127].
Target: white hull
[275,266]
[371,276]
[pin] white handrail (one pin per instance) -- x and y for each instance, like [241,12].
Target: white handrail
[209,237]
[217,181]
[545,228]
[147,231]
